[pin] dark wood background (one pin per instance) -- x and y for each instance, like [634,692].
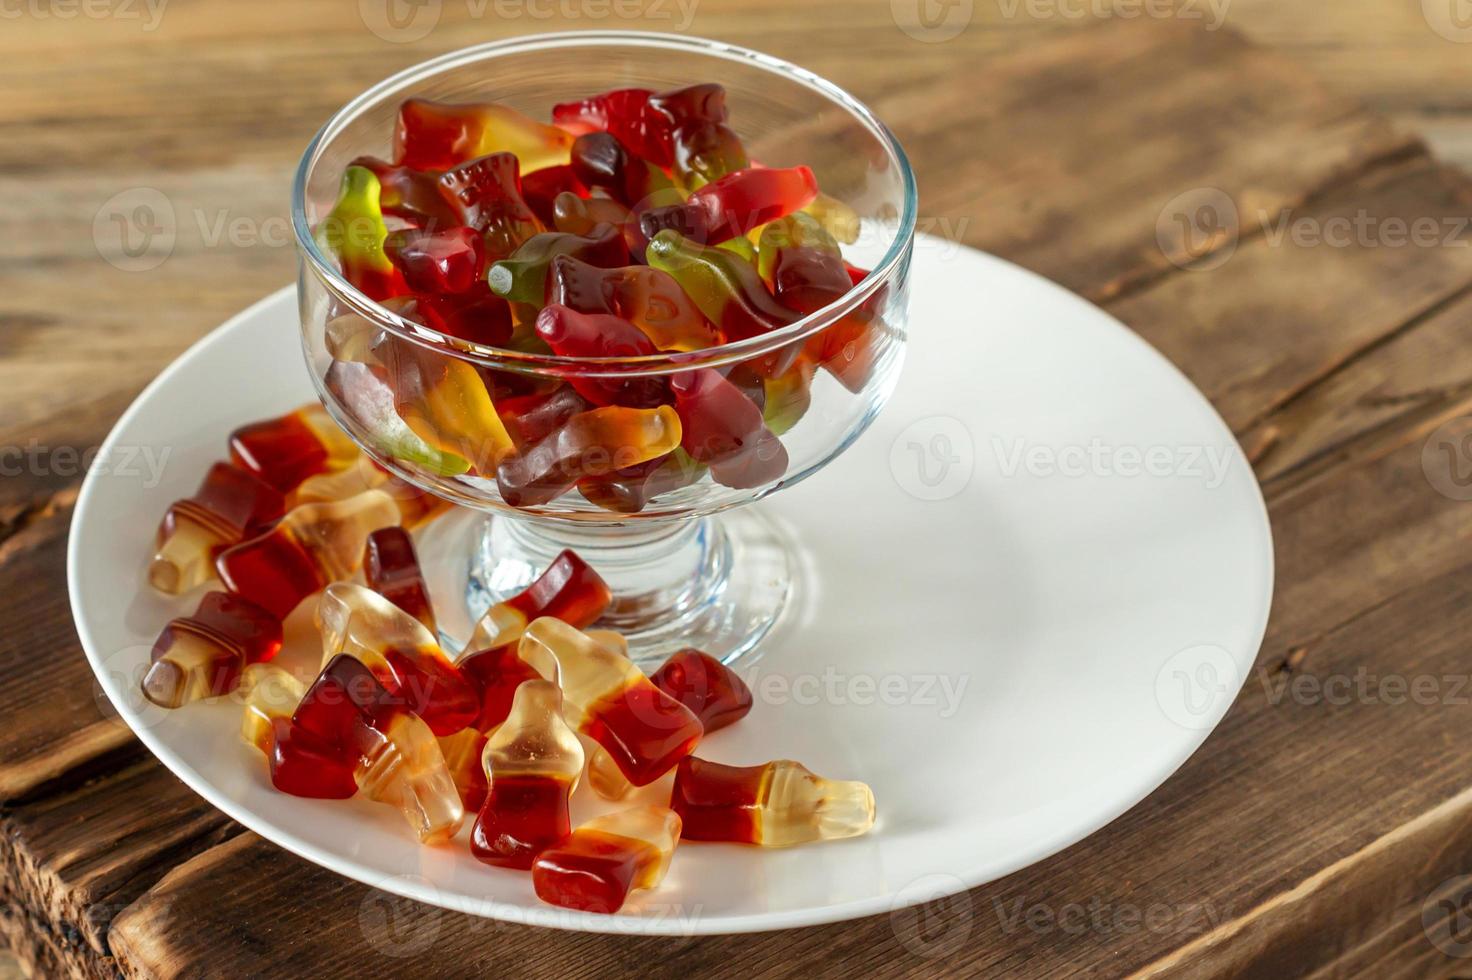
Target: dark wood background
[1322,830]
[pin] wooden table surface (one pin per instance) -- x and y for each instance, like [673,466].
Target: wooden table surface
[1307,262]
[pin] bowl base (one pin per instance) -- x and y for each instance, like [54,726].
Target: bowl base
[718,584]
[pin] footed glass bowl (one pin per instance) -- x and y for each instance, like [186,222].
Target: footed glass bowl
[686,567]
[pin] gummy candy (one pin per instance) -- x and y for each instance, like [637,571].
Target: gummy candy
[532,764]
[229,506]
[202,655]
[391,568]
[606,858]
[774,805]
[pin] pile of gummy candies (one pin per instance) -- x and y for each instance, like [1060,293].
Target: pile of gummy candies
[503,730]
[634,224]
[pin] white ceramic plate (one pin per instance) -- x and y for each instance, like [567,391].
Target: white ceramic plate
[1036,584]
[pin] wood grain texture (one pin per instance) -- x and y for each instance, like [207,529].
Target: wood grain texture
[1310,834]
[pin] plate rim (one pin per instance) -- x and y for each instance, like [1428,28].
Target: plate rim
[634,923]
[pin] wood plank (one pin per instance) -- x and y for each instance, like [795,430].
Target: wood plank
[47,693]
[81,856]
[1311,290]
[1020,172]
[37,951]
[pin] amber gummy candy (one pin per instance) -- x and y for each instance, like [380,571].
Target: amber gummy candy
[774,805]
[229,506]
[391,568]
[532,764]
[608,699]
[202,655]
[285,451]
[607,858]
[568,590]
[314,544]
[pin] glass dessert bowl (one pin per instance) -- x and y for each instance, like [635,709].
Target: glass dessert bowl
[639,457]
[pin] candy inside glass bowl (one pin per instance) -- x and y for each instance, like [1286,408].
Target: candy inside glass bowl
[638,455]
